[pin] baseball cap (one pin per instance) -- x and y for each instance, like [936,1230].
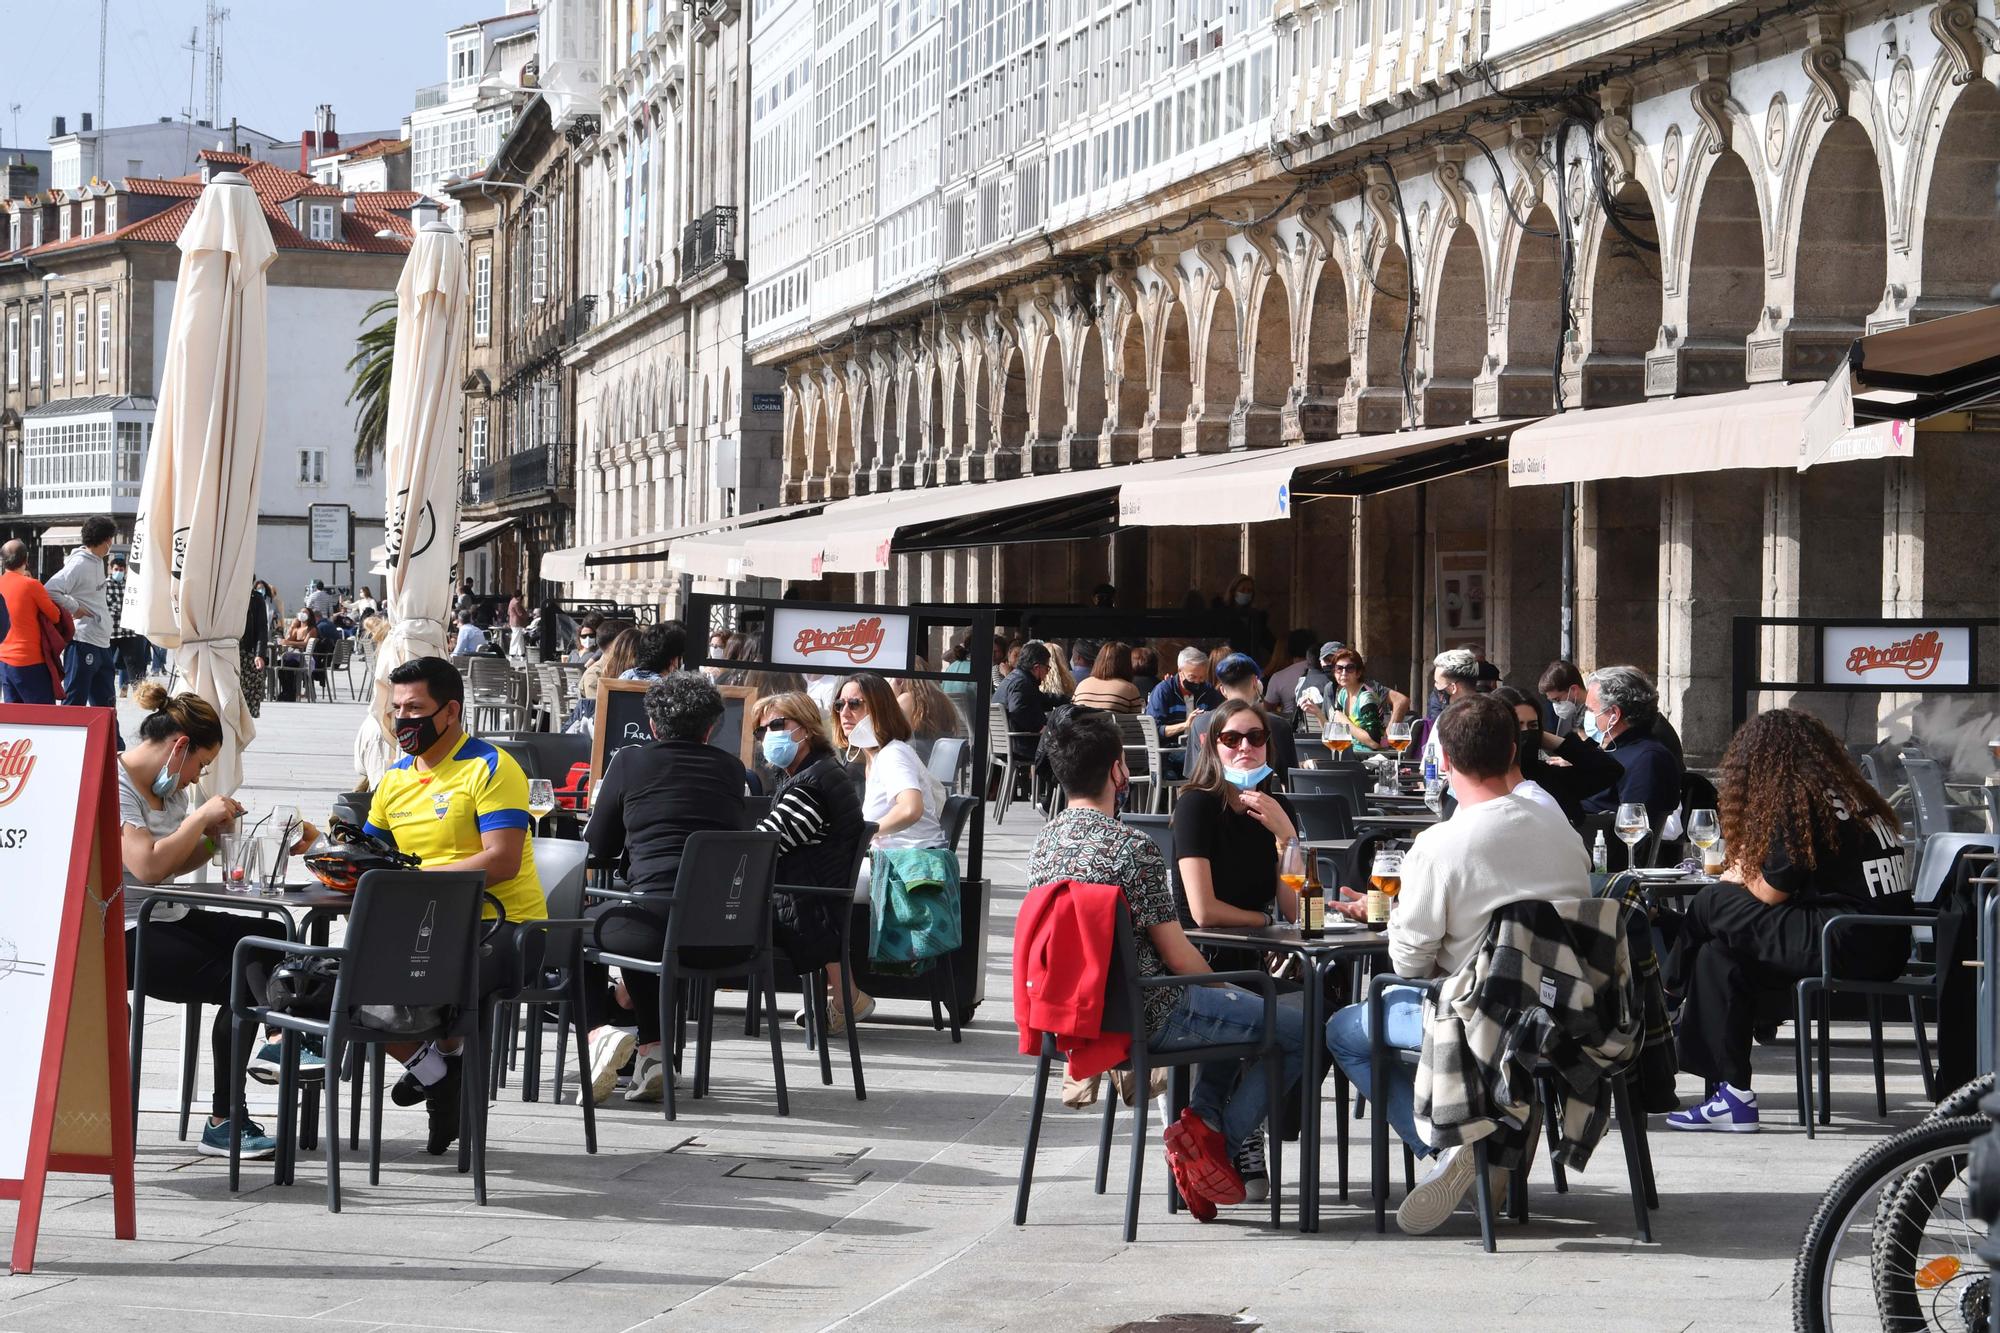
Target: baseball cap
[1328,649]
[1236,662]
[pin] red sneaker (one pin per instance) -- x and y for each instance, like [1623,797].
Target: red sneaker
[1205,1158]
[1201,1208]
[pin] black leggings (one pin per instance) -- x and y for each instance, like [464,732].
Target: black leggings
[634,937]
[189,961]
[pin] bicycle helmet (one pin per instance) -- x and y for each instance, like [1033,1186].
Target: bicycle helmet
[352,852]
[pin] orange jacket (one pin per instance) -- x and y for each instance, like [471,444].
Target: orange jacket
[28,605]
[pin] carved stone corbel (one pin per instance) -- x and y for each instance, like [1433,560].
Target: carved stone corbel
[1614,133]
[1956,23]
[1713,104]
[1524,145]
[1379,198]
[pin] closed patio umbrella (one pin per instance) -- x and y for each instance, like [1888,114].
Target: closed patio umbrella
[422,465]
[195,540]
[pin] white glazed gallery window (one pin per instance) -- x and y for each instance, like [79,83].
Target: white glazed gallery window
[90,218]
[477,452]
[13,351]
[56,345]
[104,337]
[482,296]
[319,221]
[35,348]
[80,327]
[312,467]
[538,241]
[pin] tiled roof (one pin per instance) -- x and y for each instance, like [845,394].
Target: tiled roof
[386,200]
[275,187]
[373,148]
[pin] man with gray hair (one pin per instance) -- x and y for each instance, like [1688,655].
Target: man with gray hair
[1179,699]
[1621,708]
[1455,676]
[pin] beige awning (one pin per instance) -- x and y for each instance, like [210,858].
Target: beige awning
[477,534]
[1260,486]
[70,534]
[1760,427]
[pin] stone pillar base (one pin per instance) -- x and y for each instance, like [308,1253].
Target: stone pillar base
[1446,402]
[1318,418]
[998,465]
[1257,428]
[839,486]
[1205,435]
[1046,456]
[1074,453]
[1159,441]
[1696,366]
[1372,411]
[1117,447]
[1512,392]
[1802,350]
[953,470]
[1605,381]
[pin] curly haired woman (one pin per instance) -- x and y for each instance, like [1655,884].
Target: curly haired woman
[1808,840]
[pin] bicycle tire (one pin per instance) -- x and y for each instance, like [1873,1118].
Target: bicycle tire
[1962,1101]
[1882,1163]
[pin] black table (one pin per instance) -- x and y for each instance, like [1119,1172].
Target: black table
[1340,945]
[319,903]
[1415,823]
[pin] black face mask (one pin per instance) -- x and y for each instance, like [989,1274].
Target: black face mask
[414,735]
[1531,747]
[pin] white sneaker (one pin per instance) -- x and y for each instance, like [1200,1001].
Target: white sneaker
[836,1022]
[1438,1193]
[610,1048]
[649,1078]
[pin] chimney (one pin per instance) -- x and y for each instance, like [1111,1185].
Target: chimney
[329,137]
[308,150]
[85,118]
[58,127]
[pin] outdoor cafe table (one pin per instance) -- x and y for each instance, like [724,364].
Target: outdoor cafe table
[320,905]
[1341,944]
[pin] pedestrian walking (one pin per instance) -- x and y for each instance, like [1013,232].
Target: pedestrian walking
[89,674]
[128,651]
[25,674]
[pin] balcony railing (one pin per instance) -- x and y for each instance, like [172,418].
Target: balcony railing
[528,472]
[435,95]
[709,240]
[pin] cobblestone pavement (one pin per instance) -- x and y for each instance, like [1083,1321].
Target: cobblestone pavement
[891,1213]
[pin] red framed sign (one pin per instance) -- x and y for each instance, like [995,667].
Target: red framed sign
[62,964]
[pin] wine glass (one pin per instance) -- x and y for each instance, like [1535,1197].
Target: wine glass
[1292,870]
[1632,825]
[1704,828]
[541,800]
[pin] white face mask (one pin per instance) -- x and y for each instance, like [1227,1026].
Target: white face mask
[862,734]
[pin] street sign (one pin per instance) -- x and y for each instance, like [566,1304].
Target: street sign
[767,402]
[330,539]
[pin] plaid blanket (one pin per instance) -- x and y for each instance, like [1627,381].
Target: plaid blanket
[1552,981]
[1659,1067]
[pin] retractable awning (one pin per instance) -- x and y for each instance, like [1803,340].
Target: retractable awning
[69,534]
[573,563]
[478,534]
[1760,427]
[1262,485]
[1903,376]
[860,535]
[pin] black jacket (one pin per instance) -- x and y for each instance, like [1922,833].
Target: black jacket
[652,797]
[1020,697]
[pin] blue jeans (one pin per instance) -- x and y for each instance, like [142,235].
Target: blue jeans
[1403,1030]
[26,684]
[1226,1015]
[90,678]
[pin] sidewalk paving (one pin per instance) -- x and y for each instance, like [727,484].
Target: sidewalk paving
[891,1213]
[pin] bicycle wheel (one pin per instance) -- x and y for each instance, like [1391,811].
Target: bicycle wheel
[1893,1245]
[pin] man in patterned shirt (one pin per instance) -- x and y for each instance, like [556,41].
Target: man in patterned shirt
[1085,842]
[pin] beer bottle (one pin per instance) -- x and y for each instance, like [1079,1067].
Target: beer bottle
[1312,901]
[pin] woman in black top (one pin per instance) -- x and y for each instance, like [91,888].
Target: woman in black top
[1808,840]
[1230,824]
[650,799]
[816,813]
[1585,770]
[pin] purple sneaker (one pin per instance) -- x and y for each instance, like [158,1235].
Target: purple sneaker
[1730,1110]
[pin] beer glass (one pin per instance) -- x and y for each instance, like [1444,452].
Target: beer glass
[1399,736]
[1385,881]
[1339,735]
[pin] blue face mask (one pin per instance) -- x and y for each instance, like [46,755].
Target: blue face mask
[1247,777]
[780,748]
[1590,727]
[166,782]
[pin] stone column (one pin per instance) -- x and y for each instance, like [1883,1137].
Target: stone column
[1710,540]
[1524,580]
[1617,573]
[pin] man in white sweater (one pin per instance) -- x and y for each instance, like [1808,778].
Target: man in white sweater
[1499,848]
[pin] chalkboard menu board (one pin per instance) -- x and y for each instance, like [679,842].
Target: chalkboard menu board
[621,721]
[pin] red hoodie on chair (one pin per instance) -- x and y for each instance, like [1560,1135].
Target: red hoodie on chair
[1064,942]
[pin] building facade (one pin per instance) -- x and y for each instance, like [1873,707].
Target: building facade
[459,123]
[87,283]
[1257,226]
[676,430]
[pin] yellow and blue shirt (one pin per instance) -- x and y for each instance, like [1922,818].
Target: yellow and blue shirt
[438,816]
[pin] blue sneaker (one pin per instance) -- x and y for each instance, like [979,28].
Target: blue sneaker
[256,1146]
[268,1063]
[1731,1110]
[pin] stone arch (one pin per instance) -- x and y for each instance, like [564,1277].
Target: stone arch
[1051,410]
[1379,401]
[1839,261]
[841,462]
[1093,386]
[866,407]
[1329,350]
[1221,369]
[1621,321]
[1955,232]
[797,464]
[818,443]
[1533,303]
[889,446]
[1010,428]
[1173,375]
[1725,277]
[940,434]
[1127,369]
[1269,359]
[1458,325]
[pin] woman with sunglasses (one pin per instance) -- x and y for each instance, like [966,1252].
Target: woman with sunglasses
[1230,825]
[899,796]
[816,813]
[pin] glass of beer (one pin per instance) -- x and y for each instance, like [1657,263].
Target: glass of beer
[1339,736]
[1399,736]
[1385,880]
[1292,870]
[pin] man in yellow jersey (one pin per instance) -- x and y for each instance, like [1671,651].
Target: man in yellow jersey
[456,803]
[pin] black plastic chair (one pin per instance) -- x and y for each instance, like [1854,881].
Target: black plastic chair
[1125,977]
[814,984]
[560,865]
[722,909]
[413,940]
[1631,1127]
[1350,781]
[1948,858]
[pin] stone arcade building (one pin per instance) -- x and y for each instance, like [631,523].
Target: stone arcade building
[1344,219]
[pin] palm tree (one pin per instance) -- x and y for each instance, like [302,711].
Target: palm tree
[374,353]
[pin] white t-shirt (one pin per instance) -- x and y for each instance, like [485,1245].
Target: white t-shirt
[134,809]
[1532,790]
[896,769]
[1485,856]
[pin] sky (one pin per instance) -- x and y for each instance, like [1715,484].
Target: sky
[281,58]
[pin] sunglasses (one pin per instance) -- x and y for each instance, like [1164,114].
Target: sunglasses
[1347,669]
[849,705]
[777,724]
[1233,739]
